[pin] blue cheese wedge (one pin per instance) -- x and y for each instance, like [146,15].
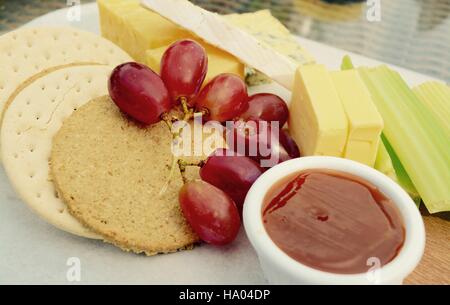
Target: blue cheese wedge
[272,33]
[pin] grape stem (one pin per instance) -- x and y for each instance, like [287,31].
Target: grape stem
[183,164]
[167,119]
[169,178]
[188,112]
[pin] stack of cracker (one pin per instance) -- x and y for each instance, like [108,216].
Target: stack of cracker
[73,157]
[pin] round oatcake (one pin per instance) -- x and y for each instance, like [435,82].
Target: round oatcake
[113,175]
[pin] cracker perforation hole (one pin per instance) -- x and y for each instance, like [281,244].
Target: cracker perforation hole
[38,195]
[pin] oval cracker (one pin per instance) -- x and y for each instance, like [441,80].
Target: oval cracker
[29,125]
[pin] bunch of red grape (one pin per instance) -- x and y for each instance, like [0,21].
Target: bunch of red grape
[213,205]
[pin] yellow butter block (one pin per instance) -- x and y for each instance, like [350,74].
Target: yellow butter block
[218,62]
[317,120]
[365,122]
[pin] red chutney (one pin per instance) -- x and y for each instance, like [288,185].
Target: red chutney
[333,221]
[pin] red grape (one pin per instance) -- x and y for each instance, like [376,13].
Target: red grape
[259,141]
[266,107]
[223,98]
[211,213]
[289,144]
[139,92]
[183,69]
[232,173]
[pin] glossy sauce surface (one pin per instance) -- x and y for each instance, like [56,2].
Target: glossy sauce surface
[333,221]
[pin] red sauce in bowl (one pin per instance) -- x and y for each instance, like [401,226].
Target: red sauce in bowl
[333,221]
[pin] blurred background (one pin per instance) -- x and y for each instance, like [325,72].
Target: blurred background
[410,33]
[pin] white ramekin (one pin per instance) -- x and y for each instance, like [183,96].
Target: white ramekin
[279,268]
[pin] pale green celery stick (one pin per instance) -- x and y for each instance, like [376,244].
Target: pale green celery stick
[402,176]
[426,117]
[436,96]
[414,134]
[383,162]
[387,161]
[347,63]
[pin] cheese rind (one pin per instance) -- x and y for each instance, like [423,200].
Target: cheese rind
[365,122]
[317,119]
[218,62]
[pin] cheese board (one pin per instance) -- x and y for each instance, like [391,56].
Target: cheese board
[37,252]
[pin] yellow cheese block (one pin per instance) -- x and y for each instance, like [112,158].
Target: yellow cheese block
[138,30]
[317,120]
[135,28]
[218,62]
[365,122]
